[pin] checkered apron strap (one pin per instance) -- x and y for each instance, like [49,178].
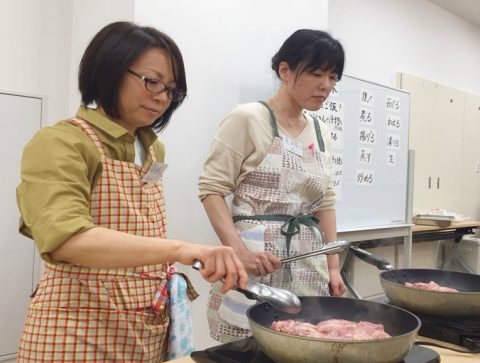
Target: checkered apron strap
[85,126]
[152,153]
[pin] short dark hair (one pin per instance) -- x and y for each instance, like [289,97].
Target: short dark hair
[108,56]
[307,50]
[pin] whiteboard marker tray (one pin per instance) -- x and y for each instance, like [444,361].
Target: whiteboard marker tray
[433,220]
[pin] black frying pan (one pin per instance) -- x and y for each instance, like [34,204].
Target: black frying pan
[281,347]
[465,303]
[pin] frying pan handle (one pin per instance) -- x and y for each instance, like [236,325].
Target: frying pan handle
[376,261]
[344,272]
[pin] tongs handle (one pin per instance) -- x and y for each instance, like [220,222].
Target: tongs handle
[198,265]
[283,300]
[329,249]
[378,262]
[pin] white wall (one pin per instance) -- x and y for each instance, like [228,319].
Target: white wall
[383,37]
[42,43]
[89,17]
[35,47]
[227,47]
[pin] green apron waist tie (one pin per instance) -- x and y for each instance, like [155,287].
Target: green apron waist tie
[290,227]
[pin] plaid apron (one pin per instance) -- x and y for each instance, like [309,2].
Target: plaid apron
[82,314]
[272,210]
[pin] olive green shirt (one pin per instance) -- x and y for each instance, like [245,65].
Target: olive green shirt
[59,169]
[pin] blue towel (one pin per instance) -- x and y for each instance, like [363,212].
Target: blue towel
[181,327]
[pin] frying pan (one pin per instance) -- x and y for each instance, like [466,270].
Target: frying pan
[286,348]
[465,303]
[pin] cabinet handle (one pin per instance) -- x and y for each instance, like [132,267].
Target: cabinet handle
[438,182]
[429,182]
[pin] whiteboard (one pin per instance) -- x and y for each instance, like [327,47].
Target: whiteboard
[369,127]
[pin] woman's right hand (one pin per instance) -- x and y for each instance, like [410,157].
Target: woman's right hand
[219,263]
[259,263]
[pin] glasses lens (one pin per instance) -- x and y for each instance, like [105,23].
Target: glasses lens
[154,85]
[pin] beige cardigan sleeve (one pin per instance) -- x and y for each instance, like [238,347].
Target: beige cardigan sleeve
[241,143]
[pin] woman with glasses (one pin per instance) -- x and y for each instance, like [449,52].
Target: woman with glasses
[91,197]
[275,160]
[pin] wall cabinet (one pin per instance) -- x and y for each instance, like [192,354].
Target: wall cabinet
[443,129]
[470,199]
[21,117]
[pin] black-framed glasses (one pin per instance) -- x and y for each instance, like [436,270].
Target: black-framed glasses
[157,86]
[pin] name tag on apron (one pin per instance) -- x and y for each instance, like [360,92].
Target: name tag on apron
[154,174]
[292,146]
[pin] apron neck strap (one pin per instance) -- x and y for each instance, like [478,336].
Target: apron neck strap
[85,126]
[321,144]
[273,121]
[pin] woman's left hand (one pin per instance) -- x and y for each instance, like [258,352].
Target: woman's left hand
[336,285]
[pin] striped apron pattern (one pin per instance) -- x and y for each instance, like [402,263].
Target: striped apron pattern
[272,210]
[82,314]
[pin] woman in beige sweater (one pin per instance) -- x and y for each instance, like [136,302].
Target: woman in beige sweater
[275,159]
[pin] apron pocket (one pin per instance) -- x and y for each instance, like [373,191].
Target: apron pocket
[93,335]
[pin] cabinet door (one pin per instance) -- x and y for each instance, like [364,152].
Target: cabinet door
[20,118]
[422,103]
[447,126]
[471,158]
[436,135]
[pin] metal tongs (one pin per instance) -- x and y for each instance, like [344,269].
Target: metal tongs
[281,299]
[328,249]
